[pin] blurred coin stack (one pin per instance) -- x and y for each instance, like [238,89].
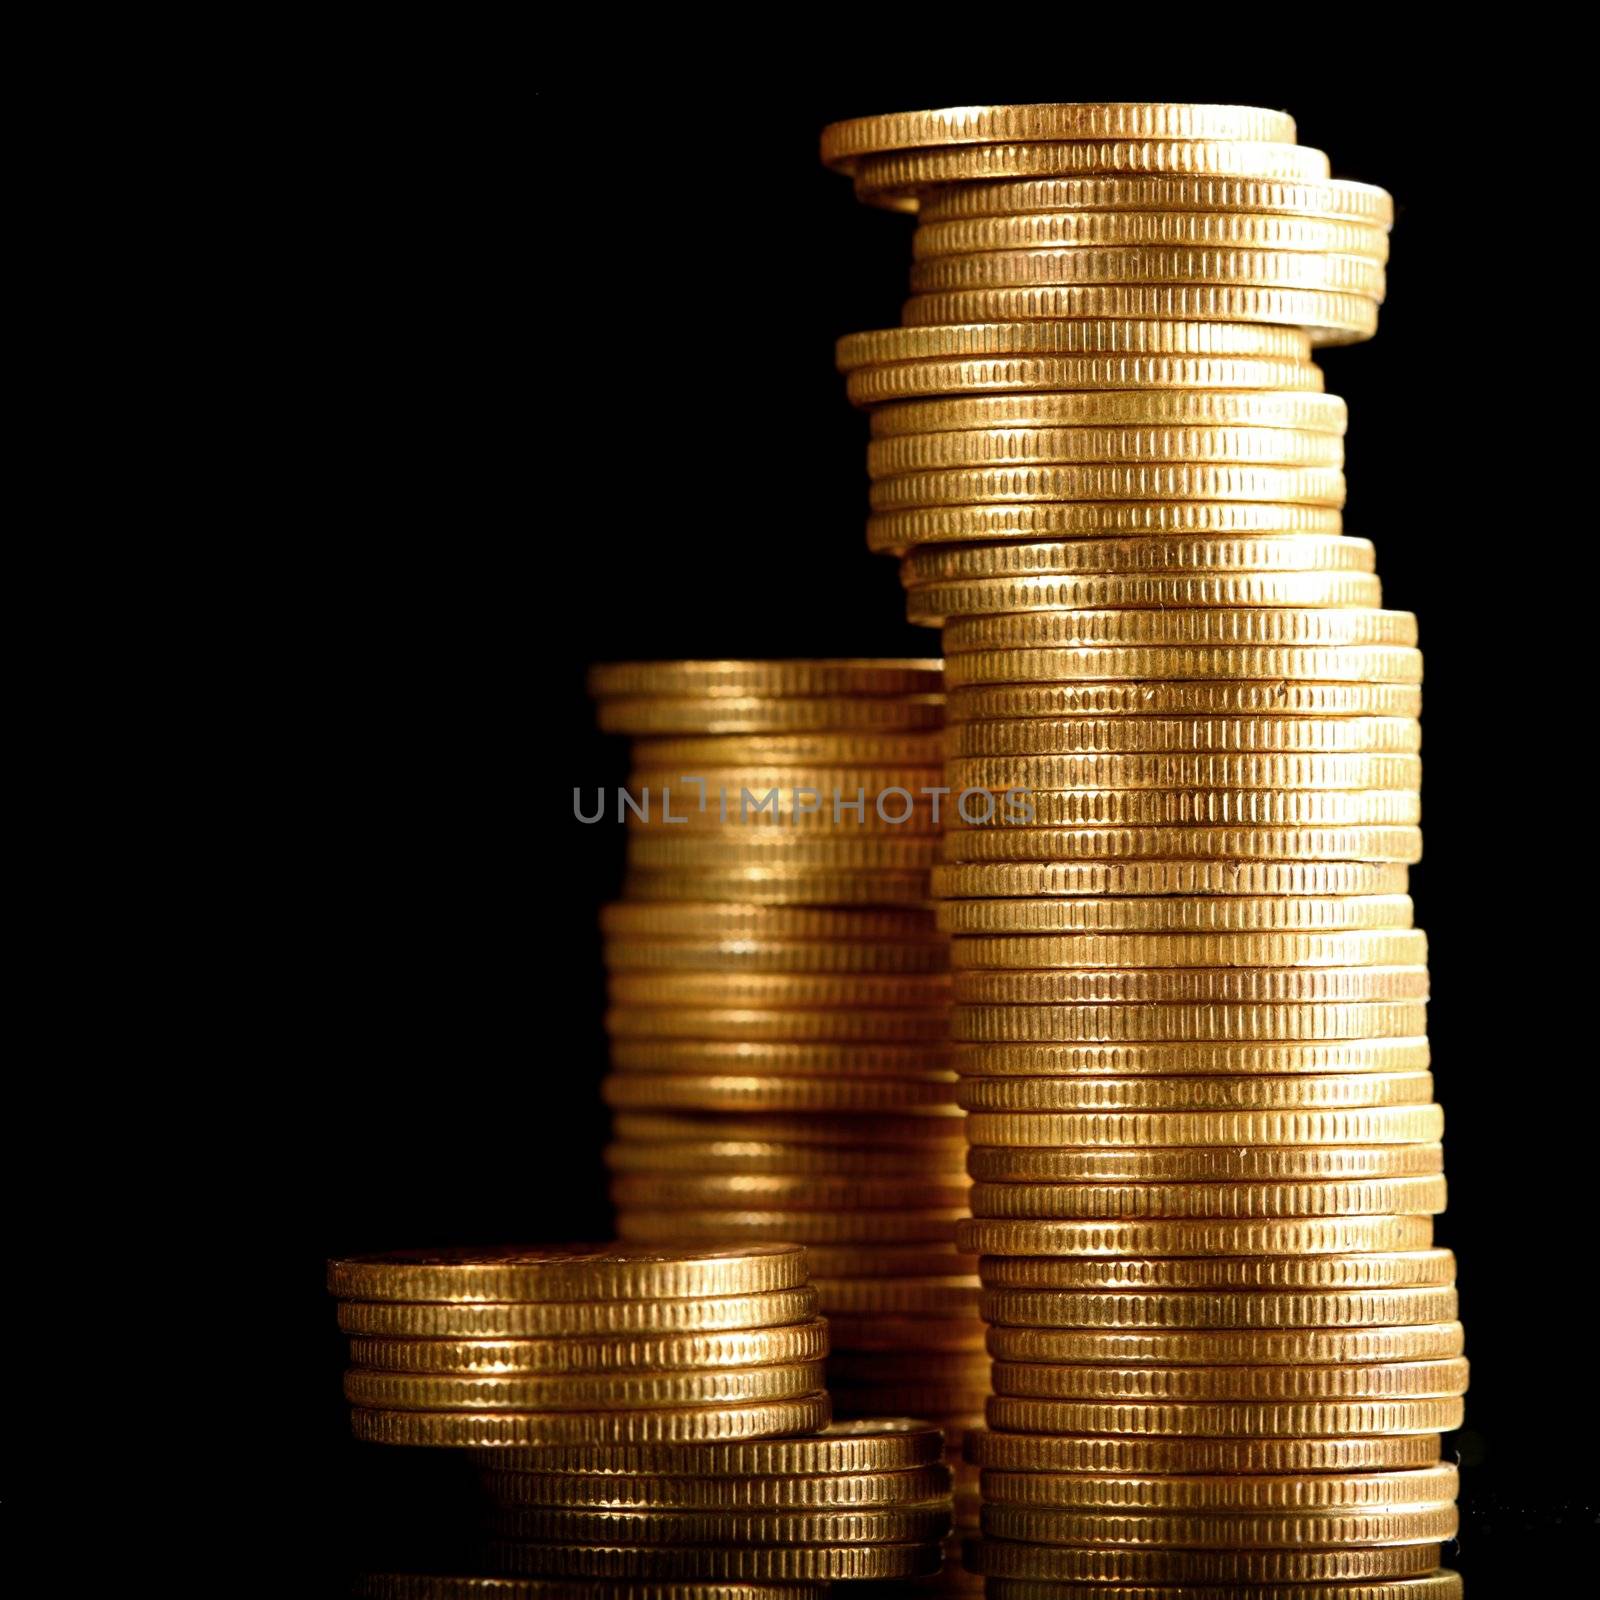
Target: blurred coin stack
[1188,997]
[780,1003]
[641,1413]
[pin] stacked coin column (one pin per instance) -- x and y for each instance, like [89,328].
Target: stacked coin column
[779,1016]
[1188,996]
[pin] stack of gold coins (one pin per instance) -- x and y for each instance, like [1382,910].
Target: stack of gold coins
[1188,1003]
[780,1002]
[641,1412]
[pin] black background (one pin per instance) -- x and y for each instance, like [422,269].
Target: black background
[650,367]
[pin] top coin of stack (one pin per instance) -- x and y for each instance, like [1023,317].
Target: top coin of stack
[779,1002]
[1188,1000]
[582,1346]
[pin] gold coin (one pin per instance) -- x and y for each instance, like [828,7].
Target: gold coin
[1418,1268]
[1156,408]
[431,1586]
[872,1525]
[778,990]
[1360,202]
[772,955]
[1438,1585]
[980,448]
[768,679]
[1370,1197]
[806,1341]
[1196,627]
[1193,699]
[895,532]
[804,1227]
[780,886]
[579,1392]
[1355,947]
[1372,1381]
[1174,1236]
[931,604]
[1174,770]
[897,1299]
[572,1272]
[1184,843]
[1227,1419]
[891,179]
[785,1058]
[837,1025]
[899,1336]
[614,1492]
[578,1319]
[884,1444]
[844,143]
[749,922]
[1291,879]
[1197,1092]
[970,1365]
[1092,336]
[1203,266]
[1054,736]
[661,1424]
[885,1263]
[1190,230]
[1388,1525]
[932,1125]
[1154,553]
[844,749]
[789,1564]
[1360,664]
[1019,1452]
[1207,914]
[1404,1124]
[1142,481]
[1207,1165]
[1210,1312]
[764,1156]
[1208,1020]
[1105,1564]
[940,1401]
[769,1191]
[1150,985]
[1429,1341]
[656,715]
[828,788]
[708,1093]
[913,380]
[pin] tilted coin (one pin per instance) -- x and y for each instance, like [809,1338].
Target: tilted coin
[800,679]
[1426,1268]
[661,1424]
[1368,1197]
[844,143]
[1389,1525]
[568,1273]
[614,1491]
[1211,1457]
[1205,1310]
[577,1319]
[806,1341]
[1195,1237]
[1208,1165]
[1429,1341]
[579,1392]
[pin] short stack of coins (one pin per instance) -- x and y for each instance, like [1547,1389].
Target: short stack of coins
[1188,1002]
[640,1413]
[780,1002]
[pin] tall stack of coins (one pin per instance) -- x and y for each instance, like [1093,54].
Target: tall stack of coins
[1188,996]
[642,1413]
[780,999]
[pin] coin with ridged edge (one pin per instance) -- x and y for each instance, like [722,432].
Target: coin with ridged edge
[838,1024]
[764,714]
[808,1227]
[1071,735]
[1154,985]
[1193,699]
[1389,1525]
[1205,1164]
[1442,1584]
[1210,627]
[1021,1559]
[657,1563]
[776,990]
[1208,1020]
[1178,914]
[756,1347]
[454,1586]
[1226,1419]
[1208,1310]
[577,1319]
[898,531]
[1370,1197]
[570,1273]
[842,1094]
[1356,947]
[1195,1237]
[895,1337]
[1428,1341]
[690,1526]
[1361,1271]
[776,1191]
[760,1156]
[786,1058]
[1154,553]
[1199,1384]
[898,1297]
[1159,408]
[776,885]
[708,920]
[663,1424]
[837,1491]
[1117,664]
[1184,843]
[1140,481]
[931,604]
[977,448]
[1288,879]
[1044,1453]
[800,679]
[1374,1125]
[755,955]
[930,1125]
[875,747]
